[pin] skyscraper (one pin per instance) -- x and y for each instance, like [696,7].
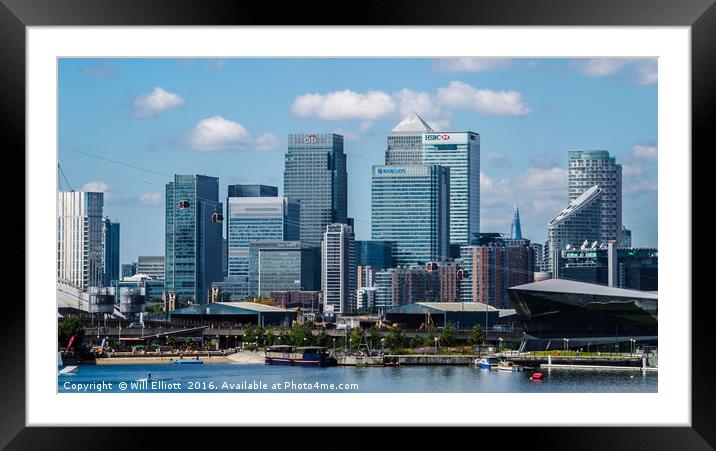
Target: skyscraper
[256,215]
[338,273]
[129,269]
[80,238]
[378,254]
[461,153]
[413,142]
[282,266]
[410,206]
[193,237]
[580,221]
[315,175]
[151,266]
[595,167]
[405,141]
[516,230]
[111,252]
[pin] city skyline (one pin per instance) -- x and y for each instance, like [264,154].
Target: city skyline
[529,114]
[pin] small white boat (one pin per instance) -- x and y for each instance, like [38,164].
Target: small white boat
[508,366]
[68,370]
[487,363]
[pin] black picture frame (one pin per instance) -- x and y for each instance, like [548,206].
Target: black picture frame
[699,15]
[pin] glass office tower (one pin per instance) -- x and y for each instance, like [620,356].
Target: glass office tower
[111,252]
[193,237]
[377,254]
[461,153]
[411,207]
[256,215]
[283,266]
[315,175]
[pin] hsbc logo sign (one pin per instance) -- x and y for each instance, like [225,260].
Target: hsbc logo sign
[437,137]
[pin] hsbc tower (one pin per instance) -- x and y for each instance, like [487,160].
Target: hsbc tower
[459,151]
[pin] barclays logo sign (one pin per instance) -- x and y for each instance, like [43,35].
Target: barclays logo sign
[391,171]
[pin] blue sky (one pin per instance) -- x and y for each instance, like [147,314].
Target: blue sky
[230,118]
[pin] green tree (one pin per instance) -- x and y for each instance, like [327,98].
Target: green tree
[269,338]
[155,309]
[447,336]
[301,335]
[260,336]
[172,341]
[476,336]
[395,339]
[67,327]
[322,339]
[250,334]
[355,338]
[284,336]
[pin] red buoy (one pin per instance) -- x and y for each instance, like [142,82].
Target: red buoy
[536,376]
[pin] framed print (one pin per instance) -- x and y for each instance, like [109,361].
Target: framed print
[428,217]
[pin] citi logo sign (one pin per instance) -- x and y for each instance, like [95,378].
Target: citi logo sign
[437,137]
[391,171]
[310,139]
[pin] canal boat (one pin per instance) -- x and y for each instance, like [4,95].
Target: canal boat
[508,366]
[488,363]
[189,362]
[302,356]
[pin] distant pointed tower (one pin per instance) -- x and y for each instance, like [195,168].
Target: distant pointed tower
[516,232]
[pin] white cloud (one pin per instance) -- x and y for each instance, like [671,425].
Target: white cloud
[498,160]
[486,183]
[630,170]
[645,152]
[95,186]
[640,185]
[346,104]
[460,95]
[543,179]
[648,72]
[102,69]
[600,67]
[100,186]
[642,71]
[151,198]
[467,64]
[149,104]
[267,141]
[218,133]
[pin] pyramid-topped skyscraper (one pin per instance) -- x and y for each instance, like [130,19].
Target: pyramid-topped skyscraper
[405,142]
[413,142]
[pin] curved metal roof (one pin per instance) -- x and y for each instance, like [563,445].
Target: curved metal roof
[575,287]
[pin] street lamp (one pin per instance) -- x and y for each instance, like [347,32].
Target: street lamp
[382,345]
[436,344]
[567,344]
[500,341]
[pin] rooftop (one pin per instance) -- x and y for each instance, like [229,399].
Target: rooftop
[574,287]
[584,199]
[412,123]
